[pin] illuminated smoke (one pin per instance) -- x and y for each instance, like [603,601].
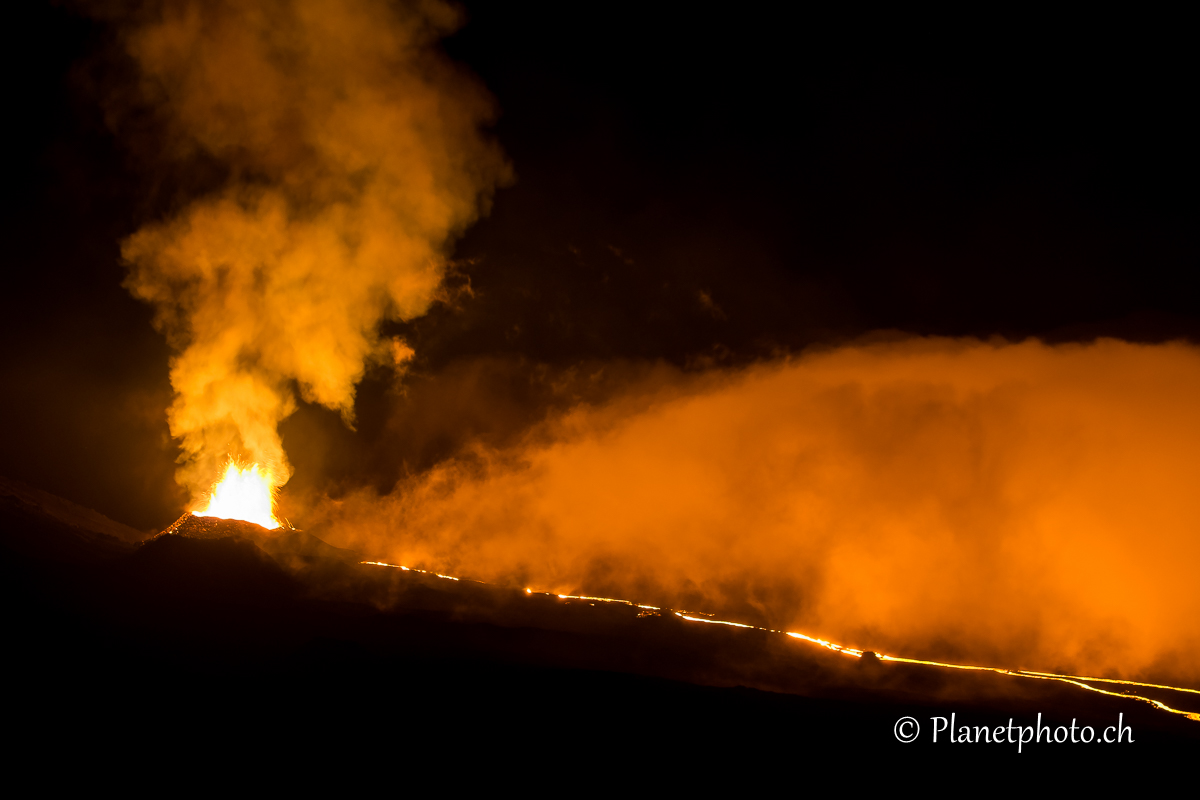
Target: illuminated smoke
[1022,505]
[353,155]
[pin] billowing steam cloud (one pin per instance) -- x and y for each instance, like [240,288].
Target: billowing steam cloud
[1016,504]
[353,154]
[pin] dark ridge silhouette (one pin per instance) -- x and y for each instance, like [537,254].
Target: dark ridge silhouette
[43,526]
[223,637]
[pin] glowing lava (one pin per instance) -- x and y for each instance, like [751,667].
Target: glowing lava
[691,616]
[247,494]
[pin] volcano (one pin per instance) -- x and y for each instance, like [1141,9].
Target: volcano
[223,631]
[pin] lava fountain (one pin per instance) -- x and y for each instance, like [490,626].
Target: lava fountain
[246,494]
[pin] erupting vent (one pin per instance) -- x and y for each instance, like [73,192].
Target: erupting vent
[244,494]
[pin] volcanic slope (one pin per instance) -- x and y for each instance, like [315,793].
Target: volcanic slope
[219,634]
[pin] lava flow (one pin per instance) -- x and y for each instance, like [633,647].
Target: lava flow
[245,493]
[1081,682]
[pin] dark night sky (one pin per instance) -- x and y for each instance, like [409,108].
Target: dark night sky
[702,190]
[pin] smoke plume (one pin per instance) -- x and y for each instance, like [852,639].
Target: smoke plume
[351,154]
[1013,504]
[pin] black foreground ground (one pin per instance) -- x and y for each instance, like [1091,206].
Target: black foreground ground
[218,646]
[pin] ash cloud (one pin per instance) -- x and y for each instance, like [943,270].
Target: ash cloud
[1020,505]
[351,153]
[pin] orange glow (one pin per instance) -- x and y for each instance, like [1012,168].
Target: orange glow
[953,500]
[247,494]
